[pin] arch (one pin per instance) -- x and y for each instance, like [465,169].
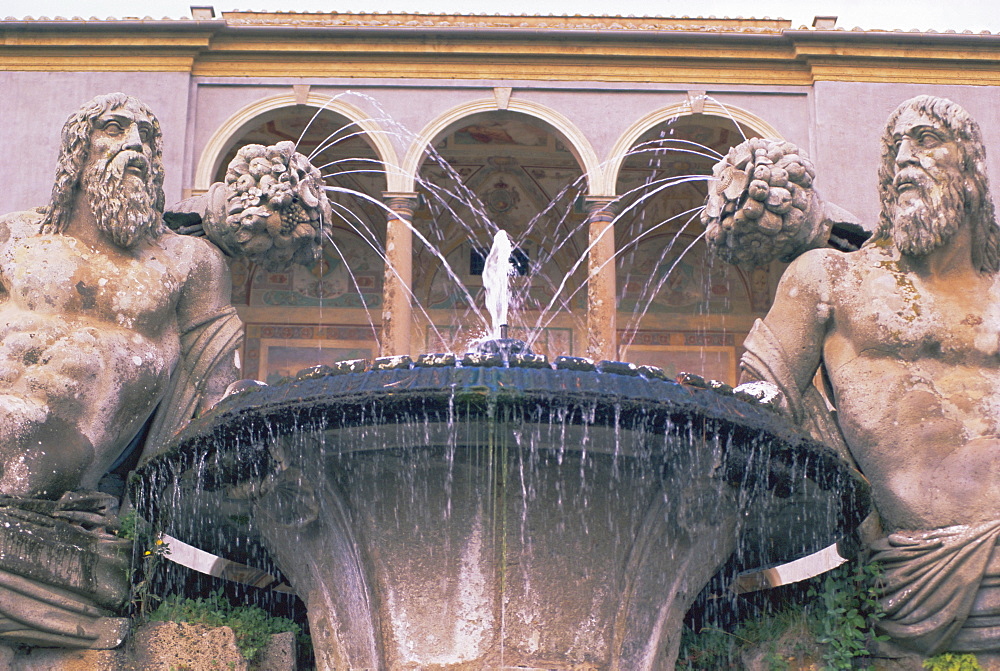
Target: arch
[579,145]
[241,121]
[740,117]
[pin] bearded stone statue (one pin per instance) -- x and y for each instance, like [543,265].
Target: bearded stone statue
[905,334]
[114,332]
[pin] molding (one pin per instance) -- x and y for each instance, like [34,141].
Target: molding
[710,108]
[222,139]
[694,52]
[577,142]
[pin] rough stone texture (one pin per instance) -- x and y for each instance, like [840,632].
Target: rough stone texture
[162,646]
[99,308]
[51,659]
[907,333]
[159,646]
[278,655]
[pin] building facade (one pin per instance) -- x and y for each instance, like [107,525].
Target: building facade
[587,139]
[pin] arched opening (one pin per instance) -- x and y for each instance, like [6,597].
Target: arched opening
[331,311]
[679,308]
[500,170]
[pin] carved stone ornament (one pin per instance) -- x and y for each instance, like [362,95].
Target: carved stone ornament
[272,208]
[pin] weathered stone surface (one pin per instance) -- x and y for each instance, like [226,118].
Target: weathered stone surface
[115,328]
[102,304]
[53,659]
[163,646]
[907,333]
[159,646]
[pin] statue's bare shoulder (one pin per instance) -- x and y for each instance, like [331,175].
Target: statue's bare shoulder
[206,285]
[16,226]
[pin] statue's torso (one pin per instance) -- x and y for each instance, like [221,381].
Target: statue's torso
[90,337]
[915,366]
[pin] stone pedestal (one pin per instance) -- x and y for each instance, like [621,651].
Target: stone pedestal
[61,585]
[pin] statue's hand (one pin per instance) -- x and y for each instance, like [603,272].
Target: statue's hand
[276,209]
[761,205]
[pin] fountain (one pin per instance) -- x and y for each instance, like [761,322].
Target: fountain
[496,509]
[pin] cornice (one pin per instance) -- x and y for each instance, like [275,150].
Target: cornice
[613,49]
[140,45]
[511,22]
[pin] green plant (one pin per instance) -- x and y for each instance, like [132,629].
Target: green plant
[951,662]
[148,552]
[850,609]
[252,625]
[711,649]
[128,524]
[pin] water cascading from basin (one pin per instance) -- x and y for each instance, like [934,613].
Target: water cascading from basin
[496,510]
[472,512]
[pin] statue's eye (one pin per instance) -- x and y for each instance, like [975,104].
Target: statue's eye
[929,139]
[113,128]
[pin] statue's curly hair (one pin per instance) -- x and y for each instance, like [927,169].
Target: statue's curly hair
[979,208]
[75,150]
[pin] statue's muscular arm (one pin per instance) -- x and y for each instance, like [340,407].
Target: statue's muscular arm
[207,292]
[802,313]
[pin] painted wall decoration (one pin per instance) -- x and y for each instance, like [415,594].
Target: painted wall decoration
[711,354]
[518,176]
[331,283]
[672,273]
[272,351]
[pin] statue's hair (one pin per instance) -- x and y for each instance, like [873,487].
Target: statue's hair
[75,150]
[979,210]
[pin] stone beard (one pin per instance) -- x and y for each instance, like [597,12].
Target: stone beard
[927,211]
[122,197]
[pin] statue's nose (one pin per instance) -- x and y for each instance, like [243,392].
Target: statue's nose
[133,140]
[904,154]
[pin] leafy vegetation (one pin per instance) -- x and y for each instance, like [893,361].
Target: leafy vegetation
[790,633]
[837,625]
[951,662]
[849,599]
[252,625]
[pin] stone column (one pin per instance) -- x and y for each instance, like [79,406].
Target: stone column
[602,308]
[397,289]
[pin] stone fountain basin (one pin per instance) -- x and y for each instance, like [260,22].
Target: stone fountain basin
[471,516]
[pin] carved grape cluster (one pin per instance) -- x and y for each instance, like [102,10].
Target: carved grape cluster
[758,206]
[277,208]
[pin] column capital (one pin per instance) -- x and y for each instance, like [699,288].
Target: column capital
[601,206]
[605,201]
[400,195]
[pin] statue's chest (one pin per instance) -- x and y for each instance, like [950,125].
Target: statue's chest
[52,274]
[894,312]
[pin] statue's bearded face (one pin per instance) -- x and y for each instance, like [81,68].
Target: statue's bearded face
[929,184]
[118,177]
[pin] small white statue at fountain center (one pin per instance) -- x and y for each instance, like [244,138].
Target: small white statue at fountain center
[496,281]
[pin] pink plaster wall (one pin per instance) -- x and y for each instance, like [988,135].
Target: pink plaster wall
[839,123]
[35,105]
